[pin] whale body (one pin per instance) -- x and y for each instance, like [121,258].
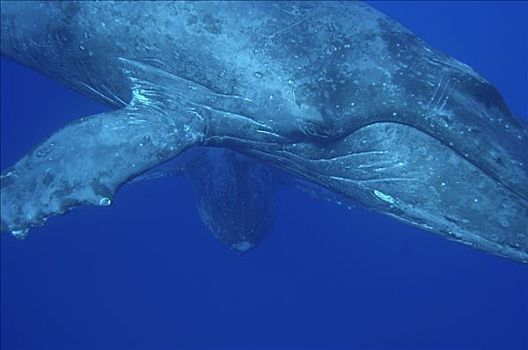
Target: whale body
[335,94]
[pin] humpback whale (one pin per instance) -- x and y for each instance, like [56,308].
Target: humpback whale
[340,97]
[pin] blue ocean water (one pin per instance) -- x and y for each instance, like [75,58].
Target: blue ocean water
[146,274]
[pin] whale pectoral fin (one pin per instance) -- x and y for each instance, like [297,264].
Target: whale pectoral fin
[86,162]
[234,195]
[410,175]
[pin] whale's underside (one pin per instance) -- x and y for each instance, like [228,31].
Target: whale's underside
[332,98]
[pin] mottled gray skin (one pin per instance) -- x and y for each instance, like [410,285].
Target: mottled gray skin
[336,93]
[234,195]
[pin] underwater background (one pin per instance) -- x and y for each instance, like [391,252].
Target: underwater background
[146,274]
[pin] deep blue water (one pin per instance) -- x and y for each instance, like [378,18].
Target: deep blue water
[145,273]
